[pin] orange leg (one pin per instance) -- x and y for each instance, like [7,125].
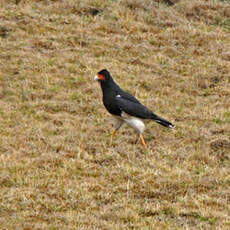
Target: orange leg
[114,132]
[111,139]
[142,140]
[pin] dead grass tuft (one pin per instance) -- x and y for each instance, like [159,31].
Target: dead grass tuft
[220,144]
[210,12]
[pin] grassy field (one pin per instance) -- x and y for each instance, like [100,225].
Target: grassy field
[59,168]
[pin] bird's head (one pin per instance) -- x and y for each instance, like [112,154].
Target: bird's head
[103,76]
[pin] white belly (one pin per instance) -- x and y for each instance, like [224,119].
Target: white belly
[135,123]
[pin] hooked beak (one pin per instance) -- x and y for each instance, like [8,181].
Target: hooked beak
[96,78]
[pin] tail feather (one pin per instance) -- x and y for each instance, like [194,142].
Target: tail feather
[162,121]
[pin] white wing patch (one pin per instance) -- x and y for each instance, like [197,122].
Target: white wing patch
[118,95]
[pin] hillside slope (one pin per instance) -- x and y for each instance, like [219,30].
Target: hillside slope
[59,168]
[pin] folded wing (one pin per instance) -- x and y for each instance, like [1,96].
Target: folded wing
[133,107]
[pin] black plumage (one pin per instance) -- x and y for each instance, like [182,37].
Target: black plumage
[118,102]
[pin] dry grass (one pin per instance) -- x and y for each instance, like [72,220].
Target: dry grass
[58,168]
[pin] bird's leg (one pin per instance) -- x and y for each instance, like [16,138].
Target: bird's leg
[138,139]
[142,140]
[117,125]
[114,132]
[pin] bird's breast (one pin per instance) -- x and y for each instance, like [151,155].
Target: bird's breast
[111,105]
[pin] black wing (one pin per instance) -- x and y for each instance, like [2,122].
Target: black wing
[126,95]
[133,107]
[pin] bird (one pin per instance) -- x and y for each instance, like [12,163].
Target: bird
[124,107]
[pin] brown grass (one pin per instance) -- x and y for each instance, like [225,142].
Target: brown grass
[58,166]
